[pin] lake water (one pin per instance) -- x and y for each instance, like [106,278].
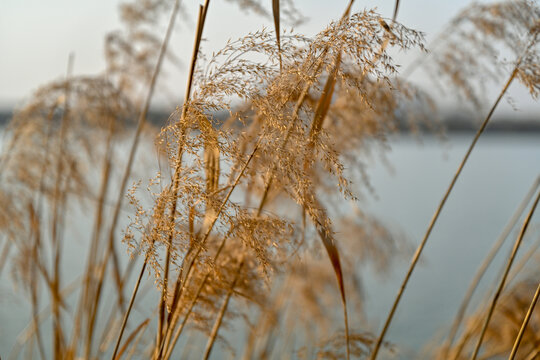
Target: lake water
[499,173]
[493,183]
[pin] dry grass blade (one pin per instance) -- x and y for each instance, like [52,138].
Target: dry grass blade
[36,229]
[325,233]
[348,9]
[533,355]
[134,146]
[275,12]
[211,167]
[502,282]
[203,10]
[4,254]
[279,120]
[524,324]
[487,261]
[130,338]
[212,173]
[422,244]
[295,113]
[58,204]
[323,105]
[222,311]
[171,340]
[396,9]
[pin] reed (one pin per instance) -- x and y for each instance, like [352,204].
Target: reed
[487,261]
[505,275]
[525,323]
[231,225]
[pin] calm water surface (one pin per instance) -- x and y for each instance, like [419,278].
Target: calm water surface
[499,173]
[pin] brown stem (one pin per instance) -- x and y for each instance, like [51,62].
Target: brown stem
[420,247]
[533,355]
[487,261]
[176,181]
[502,282]
[127,172]
[222,311]
[128,310]
[4,254]
[524,324]
[396,8]
[176,313]
[218,213]
[55,231]
[89,281]
[36,228]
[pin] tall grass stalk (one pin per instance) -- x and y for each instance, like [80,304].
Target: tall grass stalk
[85,302]
[190,266]
[303,111]
[533,355]
[35,221]
[57,223]
[502,282]
[487,261]
[219,320]
[203,10]
[525,323]
[435,217]
[171,340]
[133,150]
[396,9]
[4,254]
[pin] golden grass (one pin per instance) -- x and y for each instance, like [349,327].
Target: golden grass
[232,224]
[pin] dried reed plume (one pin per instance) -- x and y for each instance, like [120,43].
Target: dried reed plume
[250,219]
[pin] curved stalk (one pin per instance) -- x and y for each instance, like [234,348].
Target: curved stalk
[176,181]
[222,311]
[133,150]
[502,282]
[420,247]
[56,226]
[487,261]
[524,324]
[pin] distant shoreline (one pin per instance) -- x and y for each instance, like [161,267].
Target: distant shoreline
[451,125]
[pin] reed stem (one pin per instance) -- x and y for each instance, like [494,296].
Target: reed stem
[127,172]
[487,261]
[420,247]
[524,324]
[502,282]
[221,314]
[203,10]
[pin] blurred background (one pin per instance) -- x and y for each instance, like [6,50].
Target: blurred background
[408,181]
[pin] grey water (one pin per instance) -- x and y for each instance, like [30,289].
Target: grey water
[497,176]
[408,188]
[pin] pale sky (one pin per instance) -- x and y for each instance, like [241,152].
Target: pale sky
[36,36]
